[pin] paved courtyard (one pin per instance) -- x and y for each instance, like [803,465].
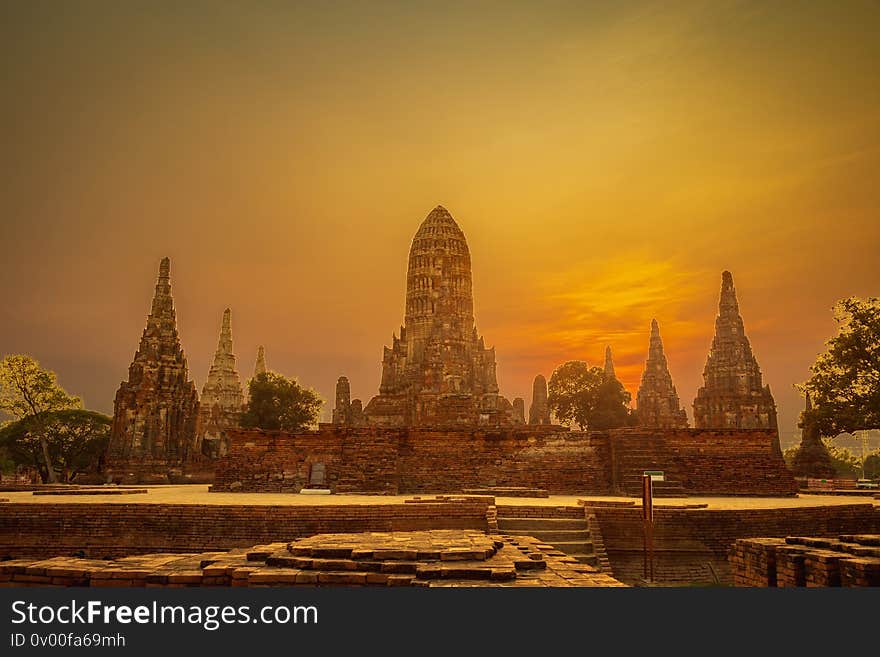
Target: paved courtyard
[198,494]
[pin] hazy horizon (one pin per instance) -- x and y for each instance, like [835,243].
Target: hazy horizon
[606,162]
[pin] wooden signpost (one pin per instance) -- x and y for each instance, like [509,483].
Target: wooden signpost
[648,522]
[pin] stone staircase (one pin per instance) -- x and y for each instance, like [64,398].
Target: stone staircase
[564,528]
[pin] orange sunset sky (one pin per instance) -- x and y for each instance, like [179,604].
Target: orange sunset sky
[606,161]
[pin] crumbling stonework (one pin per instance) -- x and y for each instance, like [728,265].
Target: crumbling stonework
[657,402]
[812,458]
[441,557]
[156,410]
[814,561]
[222,398]
[609,363]
[439,371]
[539,411]
[562,462]
[733,395]
[347,411]
[260,364]
[519,411]
[342,409]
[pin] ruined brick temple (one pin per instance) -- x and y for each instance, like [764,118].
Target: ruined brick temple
[438,371]
[733,395]
[812,458]
[155,414]
[222,398]
[657,401]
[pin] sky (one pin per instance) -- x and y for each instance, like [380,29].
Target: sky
[606,162]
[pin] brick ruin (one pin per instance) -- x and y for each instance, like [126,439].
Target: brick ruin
[539,411]
[733,395]
[260,364]
[347,411]
[812,458]
[691,544]
[404,460]
[222,400]
[439,371]
[657,402]
[609,364]
[155,414]
[851,559]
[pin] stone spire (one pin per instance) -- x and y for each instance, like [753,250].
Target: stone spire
[657,403]
[222,397]
[342,410]
[260,365]
[155,412]
[438,371]
[812,458]
[539,411]
[519,410]
[609,363]
[733,395]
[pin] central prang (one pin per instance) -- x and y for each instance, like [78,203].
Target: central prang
[439,371]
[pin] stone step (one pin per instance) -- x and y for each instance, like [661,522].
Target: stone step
[552,535]
[589,559]
[538,524]
[574,547]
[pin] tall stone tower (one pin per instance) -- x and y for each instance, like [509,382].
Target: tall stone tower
[519,411]
[812,458]
[657,403]
[156,409]
[222,397]
[260,364]
[733,395]
[539,411]
[609,363]
[342,409]
[439,371]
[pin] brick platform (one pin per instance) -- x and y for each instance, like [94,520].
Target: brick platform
[120,529]
[541,458]
[426,558]
[848,560]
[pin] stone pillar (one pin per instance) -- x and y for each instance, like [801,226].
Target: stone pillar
[342,409]
[260,365]
[539,411]
[519,410]
[609,363]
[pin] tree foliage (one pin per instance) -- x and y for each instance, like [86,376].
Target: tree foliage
[27,391]
[845,385]
[76,439]
[276,402]
[585,396]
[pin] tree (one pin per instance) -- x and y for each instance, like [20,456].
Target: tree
[845,385]
[76,440]
[276,402]
[845,463]
[586,396]
[27,391]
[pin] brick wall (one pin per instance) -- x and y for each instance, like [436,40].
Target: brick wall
[692,545]
[424,460]
[701,461]
[109,530]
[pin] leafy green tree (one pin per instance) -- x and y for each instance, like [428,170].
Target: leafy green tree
[846,464]
[28,392]
[845,385]
[76,440]
[276,402]
[585,396]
